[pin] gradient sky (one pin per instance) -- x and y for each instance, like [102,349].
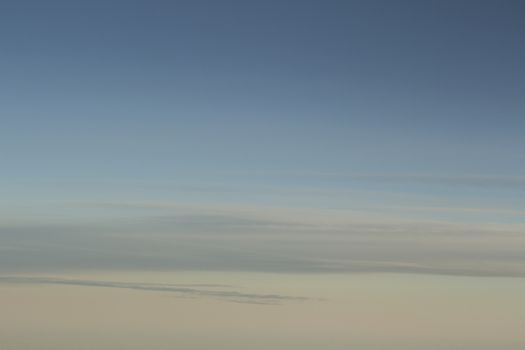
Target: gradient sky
[237,115]
[299,174]
[164,90]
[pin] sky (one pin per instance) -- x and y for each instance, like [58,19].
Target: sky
[324,141]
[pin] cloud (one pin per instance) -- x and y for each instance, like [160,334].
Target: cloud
[476,180]
[193,290]
[447,180]
[164,236]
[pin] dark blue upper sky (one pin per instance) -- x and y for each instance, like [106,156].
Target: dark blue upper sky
[151,90]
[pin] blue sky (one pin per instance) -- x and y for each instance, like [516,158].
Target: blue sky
[405,110]
[152,89]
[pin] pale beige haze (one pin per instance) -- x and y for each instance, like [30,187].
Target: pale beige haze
[359,311]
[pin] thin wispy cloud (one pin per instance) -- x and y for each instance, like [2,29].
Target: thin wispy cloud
[185,290]
[451,180]
[474,180]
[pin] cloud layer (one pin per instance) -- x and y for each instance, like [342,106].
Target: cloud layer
[161,236]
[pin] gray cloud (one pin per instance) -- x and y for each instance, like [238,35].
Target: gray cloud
[448,180]
[360,248]
[174,237]
[193,290]
[477,180]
